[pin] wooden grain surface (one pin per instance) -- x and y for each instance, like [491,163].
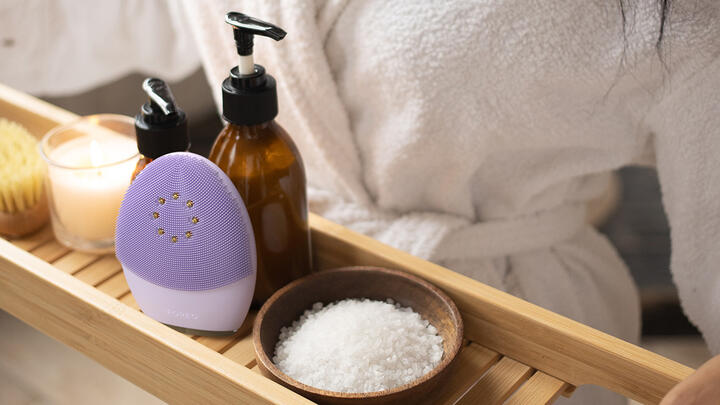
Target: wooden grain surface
[472,362]
[115,286]
[540,389]
[129,300]
[51,251]
[498,383]
[242,351]
[35,115]
[35,240]
[99,271]
[75,261]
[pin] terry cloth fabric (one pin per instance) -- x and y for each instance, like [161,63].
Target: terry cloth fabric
[473,133]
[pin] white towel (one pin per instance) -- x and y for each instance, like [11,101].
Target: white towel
[62,47]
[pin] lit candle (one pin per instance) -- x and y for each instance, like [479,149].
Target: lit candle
[88,173]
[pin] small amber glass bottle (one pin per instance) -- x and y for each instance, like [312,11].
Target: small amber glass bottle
[265,167]
[160,127]
[142,162]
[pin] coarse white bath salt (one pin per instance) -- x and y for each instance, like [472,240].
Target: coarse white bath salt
[358,345]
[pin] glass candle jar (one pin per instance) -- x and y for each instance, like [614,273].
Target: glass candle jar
[89,165]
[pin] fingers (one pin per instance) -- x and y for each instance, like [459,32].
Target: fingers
[701,388]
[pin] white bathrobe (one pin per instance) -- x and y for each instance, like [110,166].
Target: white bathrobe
[473,133]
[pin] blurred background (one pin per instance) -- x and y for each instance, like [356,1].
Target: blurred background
[35,369]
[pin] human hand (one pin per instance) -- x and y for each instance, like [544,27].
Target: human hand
[701,388]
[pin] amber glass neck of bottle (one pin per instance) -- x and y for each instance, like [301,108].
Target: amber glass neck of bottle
[252,131]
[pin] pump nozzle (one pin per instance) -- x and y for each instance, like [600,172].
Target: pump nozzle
[244,28]
[160,98]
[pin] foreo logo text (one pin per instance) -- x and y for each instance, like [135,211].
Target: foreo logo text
[182,315]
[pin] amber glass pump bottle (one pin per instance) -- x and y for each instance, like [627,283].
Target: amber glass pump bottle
[264,164]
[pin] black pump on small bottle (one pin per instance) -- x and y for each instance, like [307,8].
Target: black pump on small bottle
[160,127]
[249,94]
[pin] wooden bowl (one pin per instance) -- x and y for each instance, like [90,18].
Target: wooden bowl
[288,303]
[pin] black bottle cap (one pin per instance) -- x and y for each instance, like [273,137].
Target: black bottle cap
[251,98]
[160,127]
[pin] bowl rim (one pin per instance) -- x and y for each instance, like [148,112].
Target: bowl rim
[447,359]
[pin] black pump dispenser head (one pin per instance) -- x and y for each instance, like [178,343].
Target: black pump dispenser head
[244,29]
[249,94]
[160,127]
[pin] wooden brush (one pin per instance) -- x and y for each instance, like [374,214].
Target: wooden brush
[23,205]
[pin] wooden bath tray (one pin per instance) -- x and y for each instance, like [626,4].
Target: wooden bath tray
[517,353]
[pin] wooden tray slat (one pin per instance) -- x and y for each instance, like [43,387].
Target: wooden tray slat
[36,239]
[218,343]
[99,271]
[115,286]
[498,383]
[51,251]
[75,261]
[129,300]
[242,351]
[472,362]
[540,389]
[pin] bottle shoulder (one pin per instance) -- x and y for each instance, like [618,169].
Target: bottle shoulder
[264,147]
[257,135]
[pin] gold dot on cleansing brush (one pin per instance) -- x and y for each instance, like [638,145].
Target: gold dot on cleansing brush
[195,220]
[188,234]
[174,239]
[155,215]
[176,196]
[161,231]
[161,200]
[189,203]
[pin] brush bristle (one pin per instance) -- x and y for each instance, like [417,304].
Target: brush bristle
[21,169]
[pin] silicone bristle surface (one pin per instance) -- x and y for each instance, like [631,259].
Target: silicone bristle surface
[183,225]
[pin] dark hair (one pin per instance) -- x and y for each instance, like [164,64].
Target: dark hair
[664,6]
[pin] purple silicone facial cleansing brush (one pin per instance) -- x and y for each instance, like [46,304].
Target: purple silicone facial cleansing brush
[186,245]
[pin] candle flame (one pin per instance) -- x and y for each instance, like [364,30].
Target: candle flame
[96,154]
